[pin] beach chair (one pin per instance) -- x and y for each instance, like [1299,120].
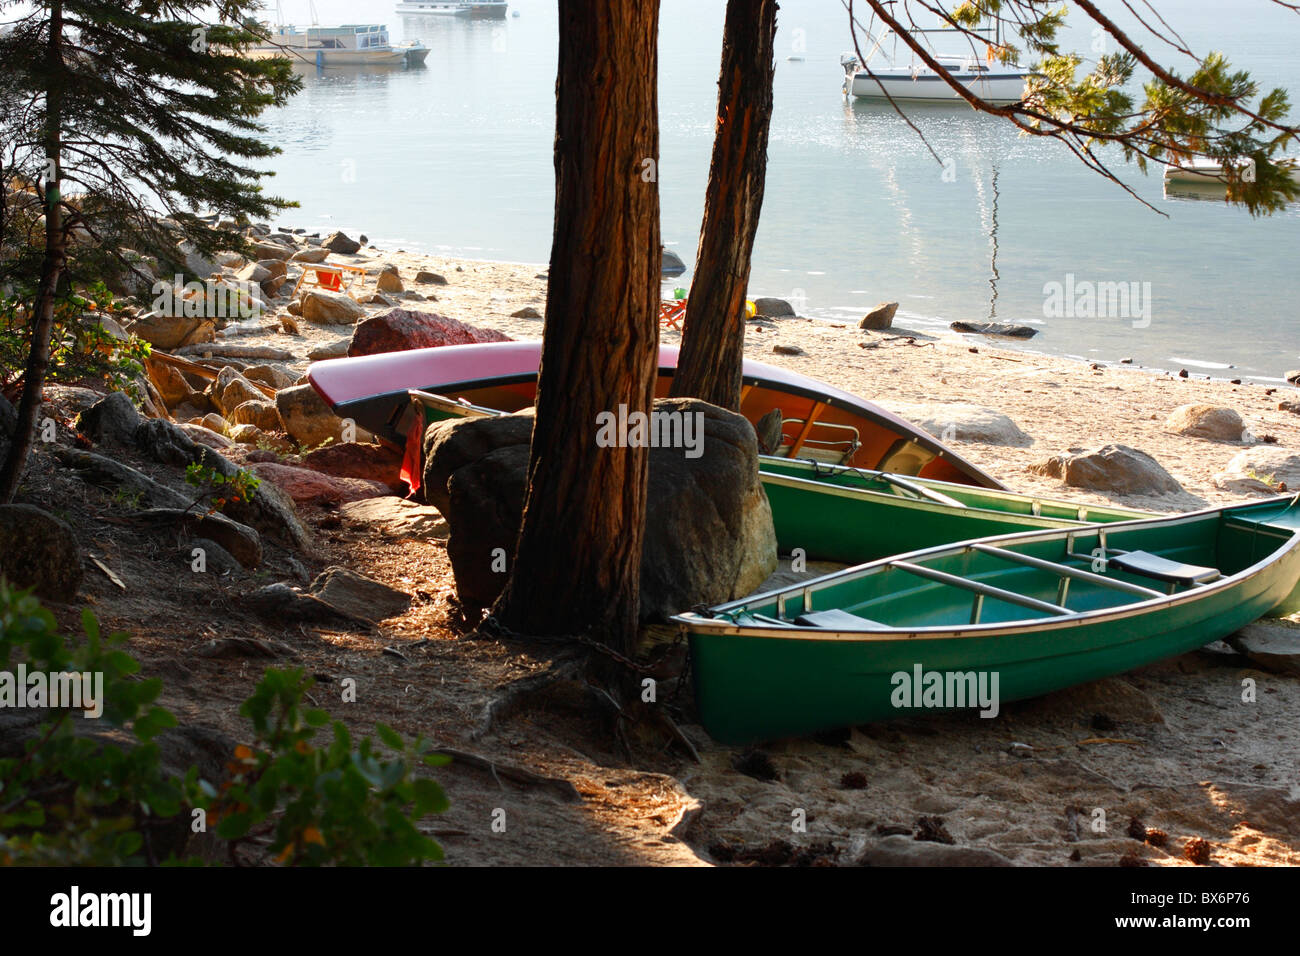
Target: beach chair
[671,313]
[330,277]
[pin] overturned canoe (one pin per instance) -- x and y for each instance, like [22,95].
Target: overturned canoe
[989,621]
[818,420]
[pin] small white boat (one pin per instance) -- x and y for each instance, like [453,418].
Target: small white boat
[475,9]
[1202,170]
[415,51]
[998,84]
[353,44]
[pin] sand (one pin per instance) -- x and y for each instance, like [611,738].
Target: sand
[1054,781]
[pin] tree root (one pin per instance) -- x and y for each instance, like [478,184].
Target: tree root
[518,775]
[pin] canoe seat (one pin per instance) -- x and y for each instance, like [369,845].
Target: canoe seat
[837,620]
[1162,569]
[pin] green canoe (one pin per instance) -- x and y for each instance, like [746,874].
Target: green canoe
[852,515]
[989,621]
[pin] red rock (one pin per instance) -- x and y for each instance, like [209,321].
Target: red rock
[305,486]
[398,330]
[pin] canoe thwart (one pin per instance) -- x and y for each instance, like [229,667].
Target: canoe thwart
[837,620]
[1162,569]
[984,590]
[1065,571]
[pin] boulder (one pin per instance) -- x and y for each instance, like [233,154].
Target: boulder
[275,268]
[1293,377]
[216,559]
[305,486]
[253,272]
[880,316]
[449,446]
[311,256]
[336,349]
[357,596]
[330,308]
[196,262]
[167,332]
[353,460]
[773,308]
[1267,463]
[995,328]
[206,436]
[271,250]
[400,329]
[389,282]
[172,386]
[112,475]
[1273,647]
[396,517]
[1117,469]
[424,277]
[269,375]
[39,551]
[338,242]
[961,422]
[527,312]
[270,511]
[259,412]
[111,421]
[1213,422]
[709,534]
[240,540]
[231,390]
[214,423]
[305,416]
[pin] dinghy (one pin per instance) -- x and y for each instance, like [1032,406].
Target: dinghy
[818,420]
[1018,615]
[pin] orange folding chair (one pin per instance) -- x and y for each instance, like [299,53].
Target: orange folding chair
[671,313]
[330,277]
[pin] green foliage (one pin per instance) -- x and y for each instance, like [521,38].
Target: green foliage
[69,799]
[75,797]
[80,347]
[337,803]
[222,490]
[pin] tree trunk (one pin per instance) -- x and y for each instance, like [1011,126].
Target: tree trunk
[577,566]
[713,340]
[56,251]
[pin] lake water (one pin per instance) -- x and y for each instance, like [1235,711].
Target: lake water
[455,158]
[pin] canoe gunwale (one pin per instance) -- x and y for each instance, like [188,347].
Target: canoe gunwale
[694,624]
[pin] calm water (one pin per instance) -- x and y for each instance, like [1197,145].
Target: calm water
[455,158]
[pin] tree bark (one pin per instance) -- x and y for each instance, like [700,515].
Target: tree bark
[713,339]
[577,566]
[56,253]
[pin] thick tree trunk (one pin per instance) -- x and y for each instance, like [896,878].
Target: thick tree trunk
[578,563]
[56,253]
[713,340]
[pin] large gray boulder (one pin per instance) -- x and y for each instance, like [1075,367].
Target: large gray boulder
[1274,647]
[110,421]
[960,422]
[39,551]
[709,534]
[306,418]
[1115,469]
[330,308]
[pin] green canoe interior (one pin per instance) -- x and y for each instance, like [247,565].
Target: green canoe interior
[896,597]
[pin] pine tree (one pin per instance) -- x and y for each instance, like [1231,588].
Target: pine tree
[126,120]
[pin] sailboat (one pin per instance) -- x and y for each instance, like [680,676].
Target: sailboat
[999,84]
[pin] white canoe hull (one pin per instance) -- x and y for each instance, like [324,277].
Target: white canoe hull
[927,86]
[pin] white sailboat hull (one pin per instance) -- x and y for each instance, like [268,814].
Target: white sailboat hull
[928,86]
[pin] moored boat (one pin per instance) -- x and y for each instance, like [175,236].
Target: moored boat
[1018,615]
[999,85]
[472,9]
[817,420]
[353,44]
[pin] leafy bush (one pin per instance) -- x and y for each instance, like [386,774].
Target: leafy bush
[73,799]
[221,491]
